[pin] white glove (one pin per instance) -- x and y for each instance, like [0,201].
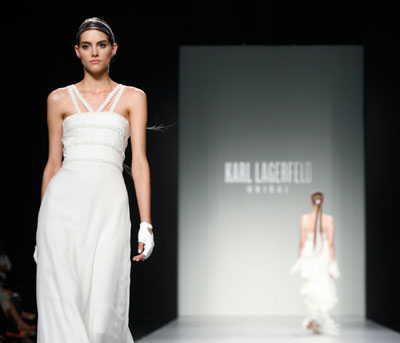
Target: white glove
[144,236]
[35,254]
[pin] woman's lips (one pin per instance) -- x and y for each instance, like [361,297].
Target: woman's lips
[95,61]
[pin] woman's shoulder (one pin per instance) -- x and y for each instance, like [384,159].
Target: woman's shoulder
[58,95]
[133,91]
[327,216]
[134,96]
[304,218]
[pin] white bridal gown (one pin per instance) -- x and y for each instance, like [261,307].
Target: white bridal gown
[83,236]
[318,287]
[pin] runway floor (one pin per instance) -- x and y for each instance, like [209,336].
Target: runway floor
[266,329]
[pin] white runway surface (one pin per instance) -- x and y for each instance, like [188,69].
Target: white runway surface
[266,329]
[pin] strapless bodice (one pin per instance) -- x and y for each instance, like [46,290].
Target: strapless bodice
[95,136]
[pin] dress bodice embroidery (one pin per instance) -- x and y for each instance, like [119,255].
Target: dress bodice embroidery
[95,135]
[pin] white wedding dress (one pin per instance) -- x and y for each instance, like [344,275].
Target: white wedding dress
[83,236]
[318,272]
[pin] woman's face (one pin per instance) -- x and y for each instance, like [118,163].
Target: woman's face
[95,51]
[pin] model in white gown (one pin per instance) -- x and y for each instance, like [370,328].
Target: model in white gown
[318,270]
[83,236]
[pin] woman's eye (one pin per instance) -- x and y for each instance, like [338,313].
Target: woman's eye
[85,46]
[103,45]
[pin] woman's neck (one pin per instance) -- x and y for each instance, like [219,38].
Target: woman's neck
[96,83]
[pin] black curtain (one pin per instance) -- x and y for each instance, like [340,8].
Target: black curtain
[382,109]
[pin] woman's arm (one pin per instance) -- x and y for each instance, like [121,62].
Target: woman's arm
[331,232]
[303,234]
[54,124]
[140,166]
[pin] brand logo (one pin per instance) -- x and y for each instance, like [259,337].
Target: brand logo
[272,177]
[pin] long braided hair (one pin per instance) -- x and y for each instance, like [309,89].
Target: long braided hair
[317,199]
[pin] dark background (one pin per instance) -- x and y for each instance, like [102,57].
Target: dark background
[148,58]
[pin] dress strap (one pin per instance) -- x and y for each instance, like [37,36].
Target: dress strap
[82,99]
[73,98]
[102,106]
[109,97]
[112,108]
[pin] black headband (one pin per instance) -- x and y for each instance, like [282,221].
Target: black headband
[95,24]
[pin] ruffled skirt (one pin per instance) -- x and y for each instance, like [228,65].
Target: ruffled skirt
[318,290]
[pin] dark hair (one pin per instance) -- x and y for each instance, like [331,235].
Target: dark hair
[95,23]
[316,195]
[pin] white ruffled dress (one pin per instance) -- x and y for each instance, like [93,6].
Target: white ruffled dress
[318,272]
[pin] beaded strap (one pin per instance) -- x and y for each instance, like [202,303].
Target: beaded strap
[108,99]
[72,95]
[117,98]
[102,106]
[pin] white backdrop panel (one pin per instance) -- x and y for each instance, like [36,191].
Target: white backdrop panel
[282,107]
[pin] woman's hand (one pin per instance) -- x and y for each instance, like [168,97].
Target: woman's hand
[334,270]
[146,243]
